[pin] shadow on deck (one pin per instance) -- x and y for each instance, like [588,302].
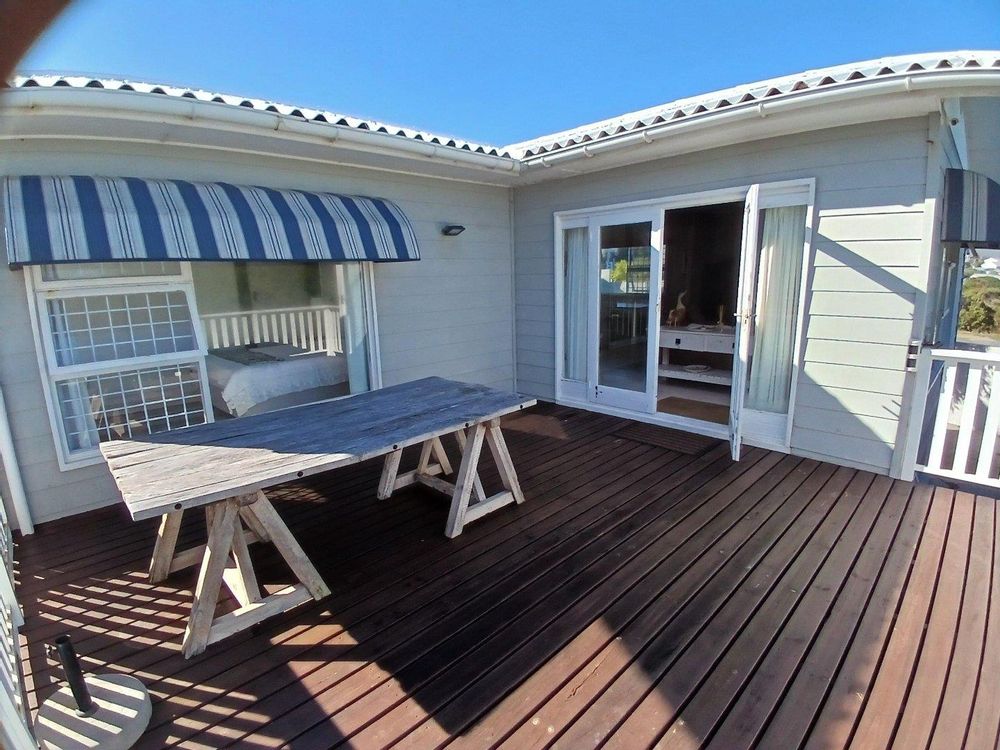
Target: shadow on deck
[641,595]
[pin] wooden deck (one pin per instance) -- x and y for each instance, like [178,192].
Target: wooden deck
[640,596]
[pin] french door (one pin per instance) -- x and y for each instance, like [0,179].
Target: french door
[775,245]
[609,266]
[624,297]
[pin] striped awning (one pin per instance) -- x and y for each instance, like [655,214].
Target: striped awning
[92,219]
[971,209]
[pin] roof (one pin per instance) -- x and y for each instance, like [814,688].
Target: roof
[748,95]
[288,110]
[687,109]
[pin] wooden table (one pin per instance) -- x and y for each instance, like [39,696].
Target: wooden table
[226,467]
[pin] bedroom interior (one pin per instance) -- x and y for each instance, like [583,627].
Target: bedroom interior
[281,334]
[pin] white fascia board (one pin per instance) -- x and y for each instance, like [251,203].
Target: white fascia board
[870,102]
[75,114]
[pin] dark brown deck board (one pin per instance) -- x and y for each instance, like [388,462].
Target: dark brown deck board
[639,595]
[854,616]
[970,640]
[927,685]
[984,724]
[640,614]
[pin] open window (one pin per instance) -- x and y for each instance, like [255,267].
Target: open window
[121,351]
[283,334]
[283,277]
[141,347]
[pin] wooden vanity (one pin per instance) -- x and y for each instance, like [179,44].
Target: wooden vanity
[709,339]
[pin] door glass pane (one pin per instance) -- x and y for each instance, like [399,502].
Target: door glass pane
[575,304]
[779,271]
[624,260]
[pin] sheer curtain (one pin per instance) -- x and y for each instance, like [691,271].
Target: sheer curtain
[351,294]
[778,274]
[575,304]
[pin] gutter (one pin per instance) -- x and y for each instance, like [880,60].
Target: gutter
[8,460]
[166,110]
[986,79]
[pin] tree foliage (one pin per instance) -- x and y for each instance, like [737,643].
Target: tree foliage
[980,311]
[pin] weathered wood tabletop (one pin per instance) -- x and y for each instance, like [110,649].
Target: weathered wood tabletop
[200,465]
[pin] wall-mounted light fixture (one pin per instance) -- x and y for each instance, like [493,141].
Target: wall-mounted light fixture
[452,230]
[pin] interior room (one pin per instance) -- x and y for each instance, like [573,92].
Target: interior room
[283,334]
[701,264]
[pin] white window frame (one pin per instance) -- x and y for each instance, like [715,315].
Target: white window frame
[40,291]
[801,191]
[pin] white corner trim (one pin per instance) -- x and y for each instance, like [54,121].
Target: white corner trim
[12,470]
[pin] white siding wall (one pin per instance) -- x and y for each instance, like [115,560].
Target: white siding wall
[451,314]
[866,278]
[982,132]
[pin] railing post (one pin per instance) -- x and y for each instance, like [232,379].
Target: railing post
[914,433]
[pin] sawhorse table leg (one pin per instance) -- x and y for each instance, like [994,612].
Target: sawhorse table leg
[467,483]
[225,559]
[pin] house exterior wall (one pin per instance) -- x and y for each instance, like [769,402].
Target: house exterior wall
[450,314]
[982,124]
[867,276]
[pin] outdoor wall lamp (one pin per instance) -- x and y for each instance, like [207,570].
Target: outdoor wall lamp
[452,230]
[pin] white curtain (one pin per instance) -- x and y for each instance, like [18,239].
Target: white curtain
[778,275]
[351,290]
[575,304]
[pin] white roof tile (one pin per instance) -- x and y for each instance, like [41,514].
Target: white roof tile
[314,115]
[749,94]
[852,74]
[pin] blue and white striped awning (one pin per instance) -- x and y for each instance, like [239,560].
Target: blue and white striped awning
[91,219]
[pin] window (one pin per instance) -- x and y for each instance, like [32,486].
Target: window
[121,352]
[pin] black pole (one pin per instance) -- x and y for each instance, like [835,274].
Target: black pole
[74,675]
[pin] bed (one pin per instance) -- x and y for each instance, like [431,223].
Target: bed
[255,378]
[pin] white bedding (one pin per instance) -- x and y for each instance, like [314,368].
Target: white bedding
[237,388]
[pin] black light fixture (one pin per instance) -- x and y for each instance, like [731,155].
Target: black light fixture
[452,230]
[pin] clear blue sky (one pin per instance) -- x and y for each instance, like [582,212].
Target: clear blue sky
[496,72]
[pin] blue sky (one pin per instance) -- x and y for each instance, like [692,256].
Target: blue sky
[496,72]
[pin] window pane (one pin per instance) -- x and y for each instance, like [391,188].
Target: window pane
[101,328]
[624,262]
[128,404]
[575,304]
[111,270]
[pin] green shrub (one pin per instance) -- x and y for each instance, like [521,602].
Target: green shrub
[980,303]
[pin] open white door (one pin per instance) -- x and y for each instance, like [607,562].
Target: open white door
[744,313]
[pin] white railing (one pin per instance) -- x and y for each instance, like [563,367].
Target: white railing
[314,329]
[15,732]
[958,416]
